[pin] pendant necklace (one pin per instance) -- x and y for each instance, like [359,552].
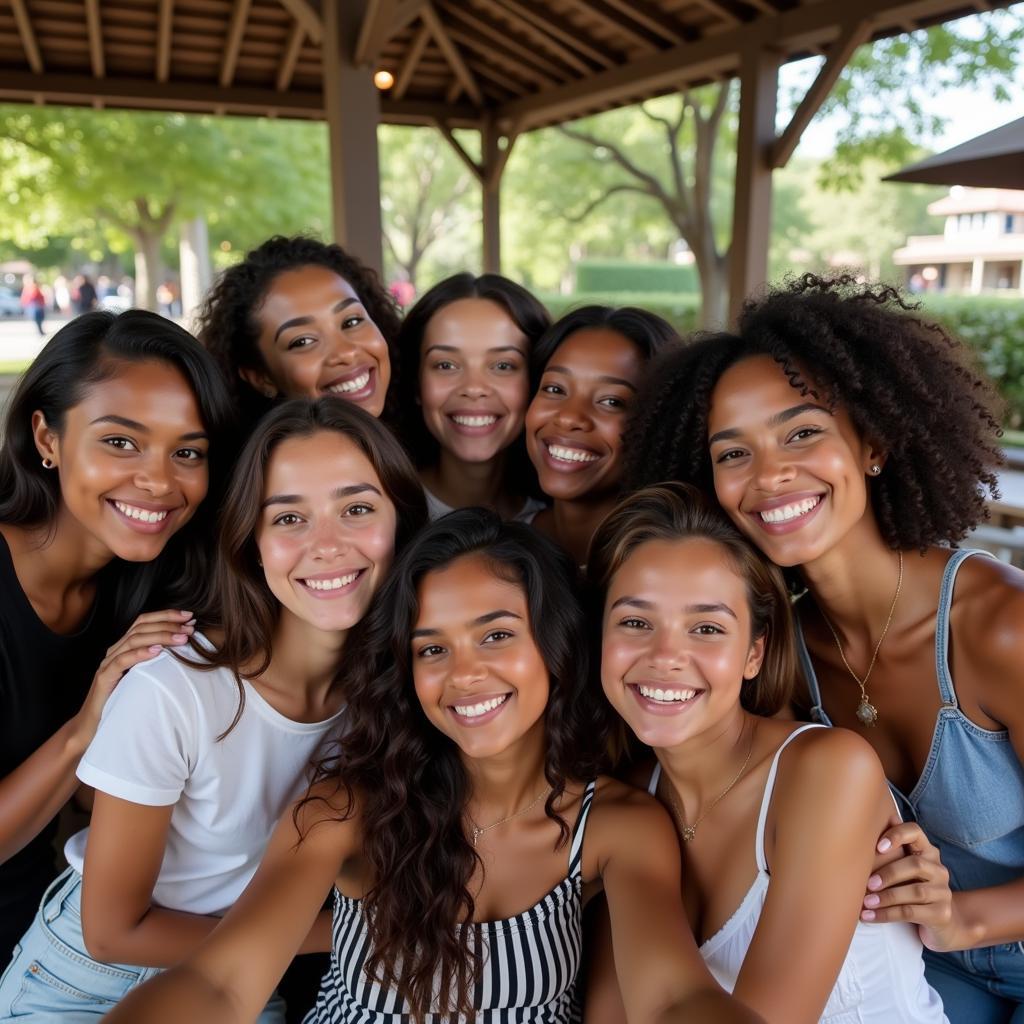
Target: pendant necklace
[478,831]
[867,713]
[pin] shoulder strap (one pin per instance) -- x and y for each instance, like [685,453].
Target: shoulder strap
[945,679]
[576,850]
[769,786]
[652,785]
[804,657]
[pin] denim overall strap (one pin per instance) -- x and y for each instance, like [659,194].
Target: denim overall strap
[804,657]
[942,673]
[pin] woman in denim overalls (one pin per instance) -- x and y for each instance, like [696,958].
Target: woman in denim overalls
[854,444]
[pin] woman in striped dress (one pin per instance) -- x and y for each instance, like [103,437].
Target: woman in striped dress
[461,821]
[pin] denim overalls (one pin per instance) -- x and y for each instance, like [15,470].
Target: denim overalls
[970,802]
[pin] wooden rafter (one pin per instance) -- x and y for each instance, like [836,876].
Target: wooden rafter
[720,10]
[163,40]
[851,36]
[239,16]
[555,30]
[474,168]
[28,36]
[623,24]
[92,15]
[291,56]
[451,53]
[652,18]
[306,14]
[383,20]
[412,59]
[507,54]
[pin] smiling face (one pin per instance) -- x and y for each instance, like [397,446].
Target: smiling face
[473,380]
[316,338]
[788,472]
[676,642]
[326,533]
[477,671]
[132,460]
[574,423]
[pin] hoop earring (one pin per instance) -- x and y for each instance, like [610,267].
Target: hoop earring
[47,463]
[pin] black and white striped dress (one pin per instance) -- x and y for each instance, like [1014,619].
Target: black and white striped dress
[530,961]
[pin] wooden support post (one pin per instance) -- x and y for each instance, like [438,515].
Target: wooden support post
[752,204]
[494,160]
[352,107]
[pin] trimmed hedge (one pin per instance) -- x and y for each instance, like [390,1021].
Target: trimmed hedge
[680,311]
[597,276]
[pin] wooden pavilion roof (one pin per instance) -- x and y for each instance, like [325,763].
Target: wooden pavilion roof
[517,63]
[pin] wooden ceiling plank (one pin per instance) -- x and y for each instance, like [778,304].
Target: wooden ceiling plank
[484,37]
[234,41]
[307,16]
[720,11]
[412,58]
[564,54]
[286,71]
[451,52]
[92,13]
[839,54]
[28,36]
[556,29]
[505,54]
[621,24]
[652,18]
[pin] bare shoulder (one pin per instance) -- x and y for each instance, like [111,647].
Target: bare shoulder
[988,618]
[624,820]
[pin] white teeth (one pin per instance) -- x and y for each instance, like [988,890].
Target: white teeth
[475,421]
[666,696]
[475,710]
[355,384]
[141,514]
[784,513]
[336,584]
[571,454]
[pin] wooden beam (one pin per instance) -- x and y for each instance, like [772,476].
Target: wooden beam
[412,59]
[451,53]
[550,46]
[92,16]
[496,160]
[507,54]
[557,30]
[286,71]
[306,14]
[652,18]
[752,201]
[163,40]
[474,168]
[384,20]
[839,54]
[28,36]
[622,24]
[792,31]
[234,41]
[727,14]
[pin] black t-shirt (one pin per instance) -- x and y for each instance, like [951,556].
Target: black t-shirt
[44,677]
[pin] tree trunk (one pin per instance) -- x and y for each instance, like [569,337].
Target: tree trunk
[149,271]
[196,277]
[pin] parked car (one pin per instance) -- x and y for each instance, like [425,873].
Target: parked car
[10,302]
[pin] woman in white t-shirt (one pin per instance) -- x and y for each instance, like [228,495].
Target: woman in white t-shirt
[198,754]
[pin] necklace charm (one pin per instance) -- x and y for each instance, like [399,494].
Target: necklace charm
[688,833]
[477,833]
[867,714]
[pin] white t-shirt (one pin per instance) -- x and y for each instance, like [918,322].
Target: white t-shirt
[157,745]
[437,508]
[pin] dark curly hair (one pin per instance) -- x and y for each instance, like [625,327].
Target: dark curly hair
[227,325]
[411,784]
[907,384]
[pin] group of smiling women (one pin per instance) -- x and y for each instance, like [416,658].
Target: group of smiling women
[497,658]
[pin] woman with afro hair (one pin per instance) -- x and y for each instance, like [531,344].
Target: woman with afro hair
[854,443]
[298,318]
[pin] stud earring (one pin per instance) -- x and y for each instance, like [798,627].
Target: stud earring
[47,463]
[876,469]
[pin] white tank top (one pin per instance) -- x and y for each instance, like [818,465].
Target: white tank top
[882,978]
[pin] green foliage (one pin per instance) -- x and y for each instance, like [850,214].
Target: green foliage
[625,276]
[994,327]
[681,311]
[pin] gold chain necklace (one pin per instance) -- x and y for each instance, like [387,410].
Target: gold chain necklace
[478,831]
[867,713]
[687,832]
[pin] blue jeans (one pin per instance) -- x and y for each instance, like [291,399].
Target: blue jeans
[980,986]
[52,976]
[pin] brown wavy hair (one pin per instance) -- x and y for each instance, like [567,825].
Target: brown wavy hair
[238,602]
[407,778]
[673,511]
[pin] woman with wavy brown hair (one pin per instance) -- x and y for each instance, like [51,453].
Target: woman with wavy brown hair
[855,442]
[460,820]
[199,751]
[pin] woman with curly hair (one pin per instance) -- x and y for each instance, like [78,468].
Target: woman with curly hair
[854,442]
[463,374]
[460,820]
[300,319]
[587,370]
